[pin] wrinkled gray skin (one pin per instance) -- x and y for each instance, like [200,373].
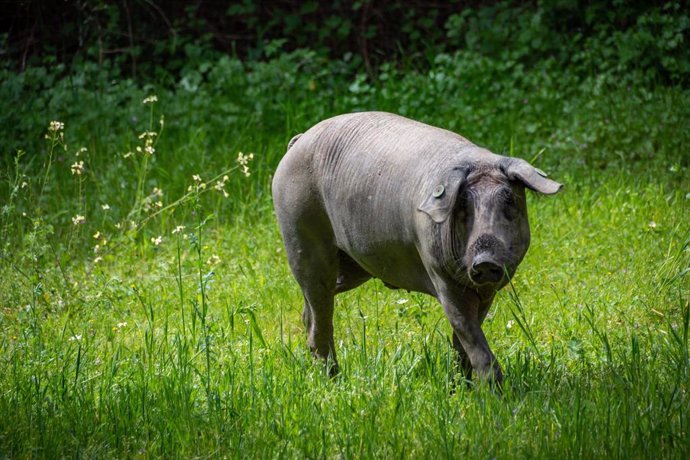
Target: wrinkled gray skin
[378,195]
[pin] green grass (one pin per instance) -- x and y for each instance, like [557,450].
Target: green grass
[163,350]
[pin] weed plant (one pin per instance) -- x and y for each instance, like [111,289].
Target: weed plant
[148,309]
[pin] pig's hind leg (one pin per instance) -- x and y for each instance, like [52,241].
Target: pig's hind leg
[313,259]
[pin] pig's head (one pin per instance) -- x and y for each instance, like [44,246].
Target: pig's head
[480,213]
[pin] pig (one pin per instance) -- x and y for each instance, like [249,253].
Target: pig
[376,195]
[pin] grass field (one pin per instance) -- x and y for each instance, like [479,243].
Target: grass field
[146,313]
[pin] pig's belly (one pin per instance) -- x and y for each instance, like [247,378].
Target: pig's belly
[397,267]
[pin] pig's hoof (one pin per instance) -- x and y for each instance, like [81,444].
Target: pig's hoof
[333,369]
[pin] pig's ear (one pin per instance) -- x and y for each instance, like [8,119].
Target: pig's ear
[442,195]
[533,178]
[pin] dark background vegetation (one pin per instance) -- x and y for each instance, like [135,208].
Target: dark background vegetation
[148,39]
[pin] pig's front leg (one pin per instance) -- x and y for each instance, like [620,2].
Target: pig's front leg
[466,312]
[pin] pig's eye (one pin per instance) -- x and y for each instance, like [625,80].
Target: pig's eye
[464,205]
[510,212]
[510,206]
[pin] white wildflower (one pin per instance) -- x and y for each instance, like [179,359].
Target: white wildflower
[243,161]
[198,182]
[78,219]
[56,126]
[220,186]
[151,99]
[77,168]
[147,134]
[178,229]
[157,240]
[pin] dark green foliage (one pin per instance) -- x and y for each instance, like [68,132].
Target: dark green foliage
[621,41]
[157,41]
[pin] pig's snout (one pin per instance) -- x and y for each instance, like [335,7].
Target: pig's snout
[486,267]
[485,270]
